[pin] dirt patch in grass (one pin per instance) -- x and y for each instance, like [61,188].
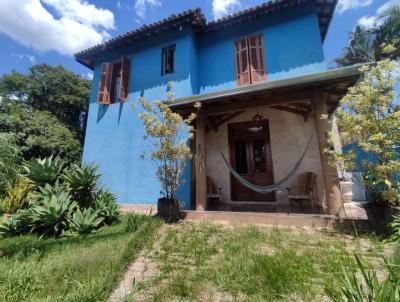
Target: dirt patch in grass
[210,262]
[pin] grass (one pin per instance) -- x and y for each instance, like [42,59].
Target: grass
[208,262]
[72,269]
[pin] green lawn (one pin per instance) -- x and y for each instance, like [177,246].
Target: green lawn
[208,262]
[72,269]
[185,262]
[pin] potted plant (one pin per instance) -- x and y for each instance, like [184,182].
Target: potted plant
[167,133]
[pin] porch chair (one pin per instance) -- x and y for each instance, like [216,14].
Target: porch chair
[213,192]
[306,190]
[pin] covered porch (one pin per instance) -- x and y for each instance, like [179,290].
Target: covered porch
[263,130]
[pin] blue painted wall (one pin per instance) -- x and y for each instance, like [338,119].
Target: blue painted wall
[292,47]
[205,63]
[114,134]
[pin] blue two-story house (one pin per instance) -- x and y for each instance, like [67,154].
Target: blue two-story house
[263,83]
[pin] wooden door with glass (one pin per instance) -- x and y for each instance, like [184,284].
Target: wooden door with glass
[250,156]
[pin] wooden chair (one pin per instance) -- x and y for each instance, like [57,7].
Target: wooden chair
[306,191]
[213,192]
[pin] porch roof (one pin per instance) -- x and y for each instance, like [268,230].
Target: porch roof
[333,83]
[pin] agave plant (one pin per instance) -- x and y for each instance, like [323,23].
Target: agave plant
[106,206]
[51,217]
[18,196]
[48,192]
[43,171]
[84,222]
[82,182]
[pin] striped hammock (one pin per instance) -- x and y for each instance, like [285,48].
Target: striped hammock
[270,188]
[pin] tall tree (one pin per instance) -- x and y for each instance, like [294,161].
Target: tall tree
[49,88]
[367,45]
[38,133]
[42,110]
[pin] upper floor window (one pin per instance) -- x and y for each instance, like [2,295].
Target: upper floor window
[250,60]
[168,60]
[114,82]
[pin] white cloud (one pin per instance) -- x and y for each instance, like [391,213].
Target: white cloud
[370,21]
[28,57]
[76,24]
[222,8]
[89,75]
[344,5]
[367,22]
[141,6]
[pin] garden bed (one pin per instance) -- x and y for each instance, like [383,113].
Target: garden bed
[84,268]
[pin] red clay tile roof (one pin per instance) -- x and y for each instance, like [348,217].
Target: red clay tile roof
[195,17]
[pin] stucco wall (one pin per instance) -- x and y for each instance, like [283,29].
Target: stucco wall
[203,64]
[292,41]
[114,134]
[289,136]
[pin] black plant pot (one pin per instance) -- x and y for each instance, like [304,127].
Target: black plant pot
[168,209]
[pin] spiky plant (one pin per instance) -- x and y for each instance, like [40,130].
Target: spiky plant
[84,222]
[18,196]
[44,171]
[368,288]
[50,215]
[82,181]
[106,206]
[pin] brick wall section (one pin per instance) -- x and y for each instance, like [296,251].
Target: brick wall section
[289,136]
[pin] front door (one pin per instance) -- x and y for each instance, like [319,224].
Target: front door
[250,156]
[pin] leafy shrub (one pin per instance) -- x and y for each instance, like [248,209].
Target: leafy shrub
[395,229]
[84,222]
[106,206]
[50,215]
[369,288]
[17,196]
[82,182]
[44,171]
[10,157]
[21,222]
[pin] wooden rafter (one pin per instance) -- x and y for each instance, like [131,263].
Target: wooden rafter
[214,122]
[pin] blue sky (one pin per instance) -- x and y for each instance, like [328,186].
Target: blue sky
[50,31]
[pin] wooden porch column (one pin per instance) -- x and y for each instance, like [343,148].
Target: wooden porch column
[201,170]
[330,174]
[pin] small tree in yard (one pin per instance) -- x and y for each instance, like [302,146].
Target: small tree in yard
[166,134]
[369,119]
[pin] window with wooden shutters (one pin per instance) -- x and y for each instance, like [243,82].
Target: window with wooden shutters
[124,85]
[250,60]
[114,82]
[104,95]
[242,62]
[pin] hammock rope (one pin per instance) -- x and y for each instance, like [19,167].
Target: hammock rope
[270,188]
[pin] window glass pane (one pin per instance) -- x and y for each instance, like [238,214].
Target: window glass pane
[117,87]
[259,155]
[244,60]
[241,157]
[168,59]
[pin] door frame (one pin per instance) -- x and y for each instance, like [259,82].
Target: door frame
[246,124]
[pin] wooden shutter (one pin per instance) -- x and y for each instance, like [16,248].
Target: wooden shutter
[242,63]
[256,58]
[125,72]
[103,96]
